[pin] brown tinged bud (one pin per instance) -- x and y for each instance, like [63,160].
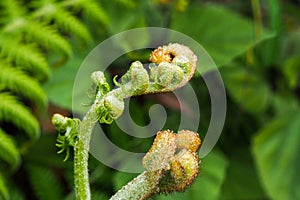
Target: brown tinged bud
[161,151]
[186,139]
[160,55]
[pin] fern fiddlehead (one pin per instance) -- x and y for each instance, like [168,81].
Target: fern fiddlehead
[171,165]
[172,67]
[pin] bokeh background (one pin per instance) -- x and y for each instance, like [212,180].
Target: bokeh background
[255,44]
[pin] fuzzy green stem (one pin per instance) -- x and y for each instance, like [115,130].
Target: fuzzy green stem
[141,187]
[81,156]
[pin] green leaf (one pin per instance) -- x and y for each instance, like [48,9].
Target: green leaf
[8,149]
[247,88]
[242,181]
[283,103]
[276,152]
[60,87]
[291,70]
[208,183]
[221,32]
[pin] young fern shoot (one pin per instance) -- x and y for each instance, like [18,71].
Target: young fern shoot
[171,67]
[171,165]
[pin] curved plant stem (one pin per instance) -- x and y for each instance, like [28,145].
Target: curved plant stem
[143,186]
[81,156]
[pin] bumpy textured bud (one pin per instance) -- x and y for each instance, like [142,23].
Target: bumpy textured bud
[182,62]
[160,55]
[135,81]
[185,59]
[162,74]
[184,169]
[161,152]
[186,139]
[184,166]
[173,66]
[59,122]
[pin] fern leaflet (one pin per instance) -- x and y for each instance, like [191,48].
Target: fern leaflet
[8,150]
[26,56]
[50,10]
[3,188]
[91,10]
[46,36]
[20,83]
[11,110]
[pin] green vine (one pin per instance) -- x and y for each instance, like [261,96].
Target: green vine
[172,67]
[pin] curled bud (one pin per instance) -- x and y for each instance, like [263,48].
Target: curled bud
[100,80]
[183,63]
[68,131]
[111,108]
[162,74]
[114,105]
[59,122]
[173,66]
[135,81]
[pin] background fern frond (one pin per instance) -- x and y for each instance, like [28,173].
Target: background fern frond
[20,83]
[3,188]
[51,10]
[46,36]
[26,56]
[44,183]
[66,21]
[11,110]
[91,9]
[12,9]
[8,150]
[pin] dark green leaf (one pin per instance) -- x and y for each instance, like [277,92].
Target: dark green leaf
[241,181]
[276,152]
[246,87]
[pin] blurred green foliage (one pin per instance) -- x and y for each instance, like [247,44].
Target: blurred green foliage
[255,44]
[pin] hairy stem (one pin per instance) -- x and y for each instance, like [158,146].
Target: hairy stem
[141,187]
[81,151]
